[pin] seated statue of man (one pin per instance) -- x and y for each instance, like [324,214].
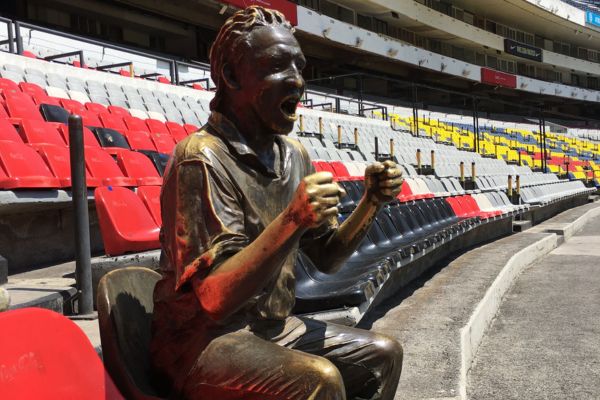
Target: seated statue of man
[239,200]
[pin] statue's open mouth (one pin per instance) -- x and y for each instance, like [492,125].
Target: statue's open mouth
[288,107]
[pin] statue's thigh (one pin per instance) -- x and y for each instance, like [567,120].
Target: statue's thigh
[240,365]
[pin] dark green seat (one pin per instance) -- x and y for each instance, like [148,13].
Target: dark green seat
[125,306]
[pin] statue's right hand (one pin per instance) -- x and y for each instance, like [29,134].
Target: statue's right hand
[315,200]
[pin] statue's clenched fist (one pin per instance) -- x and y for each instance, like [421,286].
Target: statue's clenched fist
[383,182]
[315,200]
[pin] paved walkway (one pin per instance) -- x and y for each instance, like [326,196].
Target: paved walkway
[545,341]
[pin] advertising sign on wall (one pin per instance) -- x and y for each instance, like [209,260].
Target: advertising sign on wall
[592,18]
[498,78]
[522,50]
[287,8]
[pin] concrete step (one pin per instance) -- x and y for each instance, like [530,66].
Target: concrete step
[520,226]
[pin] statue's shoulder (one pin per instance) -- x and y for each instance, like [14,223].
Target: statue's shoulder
[198,146]
[295,145]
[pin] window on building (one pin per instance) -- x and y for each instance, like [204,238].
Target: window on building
[364,21]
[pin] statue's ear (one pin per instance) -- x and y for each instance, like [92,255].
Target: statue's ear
[229,77]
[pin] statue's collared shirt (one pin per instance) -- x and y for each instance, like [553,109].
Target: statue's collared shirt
[217,197]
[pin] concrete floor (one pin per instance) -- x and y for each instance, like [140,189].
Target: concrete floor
[545,340]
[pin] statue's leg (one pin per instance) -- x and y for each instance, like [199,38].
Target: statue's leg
[370,363]
[240,365]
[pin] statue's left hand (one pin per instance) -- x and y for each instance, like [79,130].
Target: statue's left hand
[383,182]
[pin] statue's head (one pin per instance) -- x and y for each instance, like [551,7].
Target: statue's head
[256,64]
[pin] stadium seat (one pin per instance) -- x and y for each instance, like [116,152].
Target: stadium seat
[23,168]
[178,132]
[116,110]
[156,126]
[150,195]
[22,107]
[135,124]
[111,140]
[125,307]
[8,131]
[163,143]
[112,121]
[189,128]
[47,356]
[54,113]
[96,108]
[138,166]
[139,140]
[160,160]
[8,87]
[33,90]
[125,223]
[89,139]
[41,132]
[102,166]
[58,159]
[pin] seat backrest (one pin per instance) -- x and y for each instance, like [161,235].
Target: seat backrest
[125,306]
[46,356]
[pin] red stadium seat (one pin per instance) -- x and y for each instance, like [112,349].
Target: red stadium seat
[8,131]
[156,126]
[102,166]
[341,172]
[150,195]
[138,166]
[22,107]
[125,223]
[189,128]
[135,124]
[89,139]
[58,160]
[177,131]
[96,108]
[163,143]
[112,121]
[73,106]
[45,99]
[32,89]
[163,79]
[28,54]
[116,110]
[405,193]
[49,357]
[8,87]
[24,168]
[139,140]
[38,132]
[3,113]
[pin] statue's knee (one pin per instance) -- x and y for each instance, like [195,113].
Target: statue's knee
[329,376]
[389,348]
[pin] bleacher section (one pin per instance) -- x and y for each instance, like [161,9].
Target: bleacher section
[133,124]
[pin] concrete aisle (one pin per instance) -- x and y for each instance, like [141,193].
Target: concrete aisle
[545,340]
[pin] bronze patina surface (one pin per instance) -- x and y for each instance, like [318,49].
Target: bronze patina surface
[239,199]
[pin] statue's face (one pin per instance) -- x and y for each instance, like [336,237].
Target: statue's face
[270,78]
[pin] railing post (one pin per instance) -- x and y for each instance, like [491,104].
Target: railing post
[356,137]
[419,160]
[433,160]
[473,172]
[462,171]
[339,132]
[83,267]
[376,148]
[18,37]
[11,37]
[321,126]
[509,187]
[301,118]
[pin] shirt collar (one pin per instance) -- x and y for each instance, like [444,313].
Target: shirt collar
[227,131]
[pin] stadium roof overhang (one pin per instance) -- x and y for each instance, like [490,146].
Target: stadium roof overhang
[439,89]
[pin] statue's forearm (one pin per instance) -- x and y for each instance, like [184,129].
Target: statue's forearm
[226,289]
[331,255]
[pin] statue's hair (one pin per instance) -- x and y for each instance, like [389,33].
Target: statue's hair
[235,32]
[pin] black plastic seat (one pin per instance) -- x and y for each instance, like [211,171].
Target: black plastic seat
[125,306]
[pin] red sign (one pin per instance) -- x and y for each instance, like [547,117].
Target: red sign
[498,78]
[287,8]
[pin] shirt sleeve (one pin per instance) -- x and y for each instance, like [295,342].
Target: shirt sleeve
[204,222]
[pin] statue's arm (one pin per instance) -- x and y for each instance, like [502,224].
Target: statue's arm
[383,182]
[240,277]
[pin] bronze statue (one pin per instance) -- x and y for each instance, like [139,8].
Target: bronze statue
[239,199]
